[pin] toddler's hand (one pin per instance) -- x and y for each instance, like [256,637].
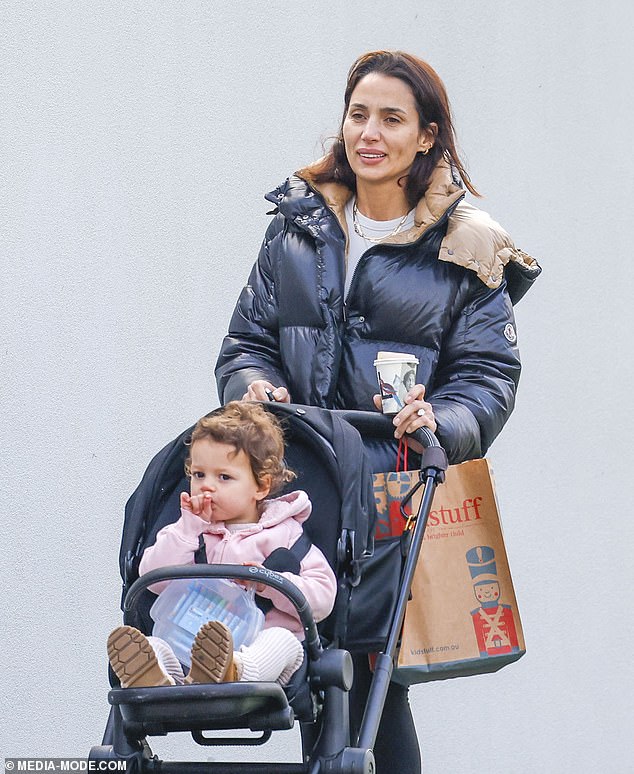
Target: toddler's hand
[259,587]
[199,505]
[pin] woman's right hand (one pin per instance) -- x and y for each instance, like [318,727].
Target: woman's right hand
[260,389]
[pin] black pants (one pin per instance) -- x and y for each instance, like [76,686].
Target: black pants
[396,748]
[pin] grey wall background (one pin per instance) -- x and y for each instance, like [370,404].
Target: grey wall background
[137,141]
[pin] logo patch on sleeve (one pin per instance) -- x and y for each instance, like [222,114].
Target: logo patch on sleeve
[509,333]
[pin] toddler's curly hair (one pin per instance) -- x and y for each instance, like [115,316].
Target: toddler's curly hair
[248,428]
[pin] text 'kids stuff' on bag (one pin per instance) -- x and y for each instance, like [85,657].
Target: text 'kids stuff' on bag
[462,618]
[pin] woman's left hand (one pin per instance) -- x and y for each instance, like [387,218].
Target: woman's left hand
[416,413]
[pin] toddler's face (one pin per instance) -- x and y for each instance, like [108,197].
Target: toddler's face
[225,476]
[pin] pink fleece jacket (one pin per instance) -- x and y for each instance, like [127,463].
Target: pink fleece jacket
[279,526]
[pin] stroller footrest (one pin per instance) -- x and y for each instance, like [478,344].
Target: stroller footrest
[213,706]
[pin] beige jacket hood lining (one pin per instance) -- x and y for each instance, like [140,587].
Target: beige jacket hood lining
[473,240]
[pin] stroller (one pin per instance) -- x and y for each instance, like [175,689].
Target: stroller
[326,451]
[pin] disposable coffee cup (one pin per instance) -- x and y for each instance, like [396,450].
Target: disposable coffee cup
[396,375]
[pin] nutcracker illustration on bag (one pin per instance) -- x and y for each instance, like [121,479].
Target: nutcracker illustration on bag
[389,491]
[493,621]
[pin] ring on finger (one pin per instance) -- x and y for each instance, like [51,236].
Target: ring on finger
[421,412]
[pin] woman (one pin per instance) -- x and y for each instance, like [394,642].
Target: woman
[409,380]
[373,248]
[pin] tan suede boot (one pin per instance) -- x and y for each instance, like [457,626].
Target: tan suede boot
[212,655]
[134,660]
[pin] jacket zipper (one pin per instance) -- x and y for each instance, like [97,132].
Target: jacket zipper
[368,252]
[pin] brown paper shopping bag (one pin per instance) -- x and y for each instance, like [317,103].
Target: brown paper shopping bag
[462,618]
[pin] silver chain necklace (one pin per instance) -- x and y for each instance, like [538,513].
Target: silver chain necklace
[359,230]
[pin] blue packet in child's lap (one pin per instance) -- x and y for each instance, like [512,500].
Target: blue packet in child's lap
[185,605]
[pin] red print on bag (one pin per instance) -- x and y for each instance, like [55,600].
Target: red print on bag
[389,491]
[493,621]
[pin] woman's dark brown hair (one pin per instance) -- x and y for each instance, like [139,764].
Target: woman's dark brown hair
[432,105]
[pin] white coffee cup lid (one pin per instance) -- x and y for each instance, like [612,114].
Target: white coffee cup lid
[395,357]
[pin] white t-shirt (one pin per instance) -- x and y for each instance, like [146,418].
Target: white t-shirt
[357,245]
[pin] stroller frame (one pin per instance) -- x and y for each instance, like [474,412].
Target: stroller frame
[327,748]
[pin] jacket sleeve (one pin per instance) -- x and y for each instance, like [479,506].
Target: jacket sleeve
[477,376]
[175,544]
[316,581]
[251,350]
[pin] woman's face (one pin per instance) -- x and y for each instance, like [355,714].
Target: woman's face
[381,130]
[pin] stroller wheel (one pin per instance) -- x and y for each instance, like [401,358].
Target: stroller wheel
[133,762]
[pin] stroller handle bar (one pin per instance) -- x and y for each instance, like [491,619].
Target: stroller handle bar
[235,572]
[378,425]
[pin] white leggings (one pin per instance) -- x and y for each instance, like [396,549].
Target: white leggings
[274,656]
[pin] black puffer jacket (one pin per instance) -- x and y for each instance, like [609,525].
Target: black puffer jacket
[439,290]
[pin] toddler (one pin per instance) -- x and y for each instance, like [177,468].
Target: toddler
[235,463]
